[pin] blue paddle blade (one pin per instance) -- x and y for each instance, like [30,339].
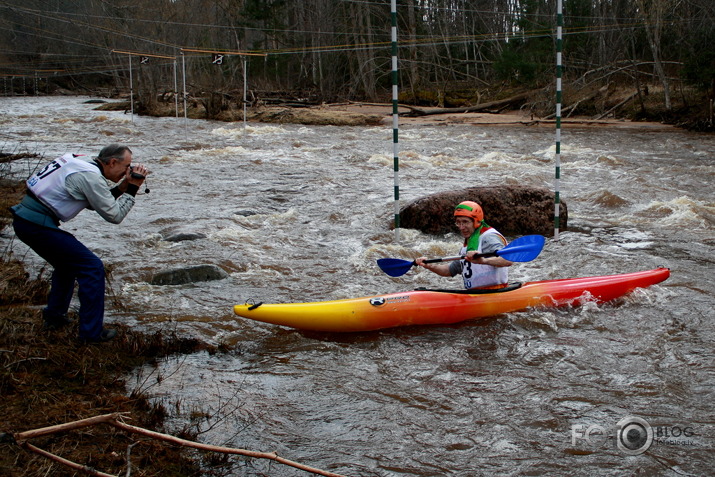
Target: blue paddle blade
[395,267]
[523,249]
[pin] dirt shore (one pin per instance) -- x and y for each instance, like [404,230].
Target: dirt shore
[372,114]
[503,118]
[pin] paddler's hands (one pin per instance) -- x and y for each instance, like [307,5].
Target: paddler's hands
[492,261]
[438,268]
[420,262]
[470,257]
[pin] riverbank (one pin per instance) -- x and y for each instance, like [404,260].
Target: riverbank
[370,114]
[608,106]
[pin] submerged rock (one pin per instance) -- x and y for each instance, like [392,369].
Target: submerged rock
[245,213]
[511,209]
[181,276]
[184,236]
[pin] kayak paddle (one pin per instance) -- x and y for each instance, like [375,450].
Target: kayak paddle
[523,249]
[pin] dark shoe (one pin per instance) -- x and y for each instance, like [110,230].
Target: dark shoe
[106,335]
[55,322]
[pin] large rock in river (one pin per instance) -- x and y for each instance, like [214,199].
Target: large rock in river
[180,276]
[511,209]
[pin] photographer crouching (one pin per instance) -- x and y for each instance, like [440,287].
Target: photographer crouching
[56,194]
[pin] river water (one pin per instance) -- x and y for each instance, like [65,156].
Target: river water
[301,213]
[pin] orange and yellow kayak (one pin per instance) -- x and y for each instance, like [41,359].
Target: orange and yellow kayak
[435,307]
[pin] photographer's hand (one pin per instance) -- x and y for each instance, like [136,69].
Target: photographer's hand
[136,174]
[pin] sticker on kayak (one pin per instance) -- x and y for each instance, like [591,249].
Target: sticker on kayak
[379,301]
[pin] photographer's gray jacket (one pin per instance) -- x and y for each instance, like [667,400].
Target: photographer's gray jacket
[67,186]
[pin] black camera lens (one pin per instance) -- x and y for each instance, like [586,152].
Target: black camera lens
[136,175]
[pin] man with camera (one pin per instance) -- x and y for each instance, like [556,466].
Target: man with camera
[56,194]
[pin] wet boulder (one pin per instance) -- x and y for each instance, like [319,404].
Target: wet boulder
[245,213]
[184,236]
[181,276]
[511,209]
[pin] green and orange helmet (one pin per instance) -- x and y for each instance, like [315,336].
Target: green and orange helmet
[470,209]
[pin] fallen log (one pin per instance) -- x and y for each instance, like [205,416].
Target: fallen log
[568,110]
[499,104]
[67,463]
[618,105]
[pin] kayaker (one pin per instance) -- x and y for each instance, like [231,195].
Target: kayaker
[479,272]
[57,193]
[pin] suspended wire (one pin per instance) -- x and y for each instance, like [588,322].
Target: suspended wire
[515,14]
[405,43]
[54,17]
[411,41]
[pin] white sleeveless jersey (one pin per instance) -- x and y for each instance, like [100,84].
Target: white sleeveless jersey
[476,275]
[48,185]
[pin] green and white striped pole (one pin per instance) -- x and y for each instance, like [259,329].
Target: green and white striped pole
[559,68]
[184,93]
[131,87]
[395,119]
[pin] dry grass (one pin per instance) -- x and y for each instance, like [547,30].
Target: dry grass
[47,378]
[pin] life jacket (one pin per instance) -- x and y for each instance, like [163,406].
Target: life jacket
[480,276]
[48,185]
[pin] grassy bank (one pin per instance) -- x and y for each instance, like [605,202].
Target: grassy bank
[48,378]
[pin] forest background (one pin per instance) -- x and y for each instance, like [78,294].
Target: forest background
[640,59]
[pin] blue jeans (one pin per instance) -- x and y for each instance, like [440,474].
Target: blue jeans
[72,261]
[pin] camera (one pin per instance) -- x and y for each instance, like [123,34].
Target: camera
[136,175]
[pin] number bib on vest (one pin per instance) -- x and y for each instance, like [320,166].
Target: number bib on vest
[48,185]
[476,275]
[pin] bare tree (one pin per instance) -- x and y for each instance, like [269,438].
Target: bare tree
[653,13]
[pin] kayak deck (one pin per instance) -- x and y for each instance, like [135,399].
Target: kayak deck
[432,307]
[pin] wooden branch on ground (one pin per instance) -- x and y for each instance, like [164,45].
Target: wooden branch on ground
[115,420]
[224,450]
[618,105]
[67,463]
[68,426]
[571,108]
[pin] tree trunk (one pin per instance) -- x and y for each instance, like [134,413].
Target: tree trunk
[653,29]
